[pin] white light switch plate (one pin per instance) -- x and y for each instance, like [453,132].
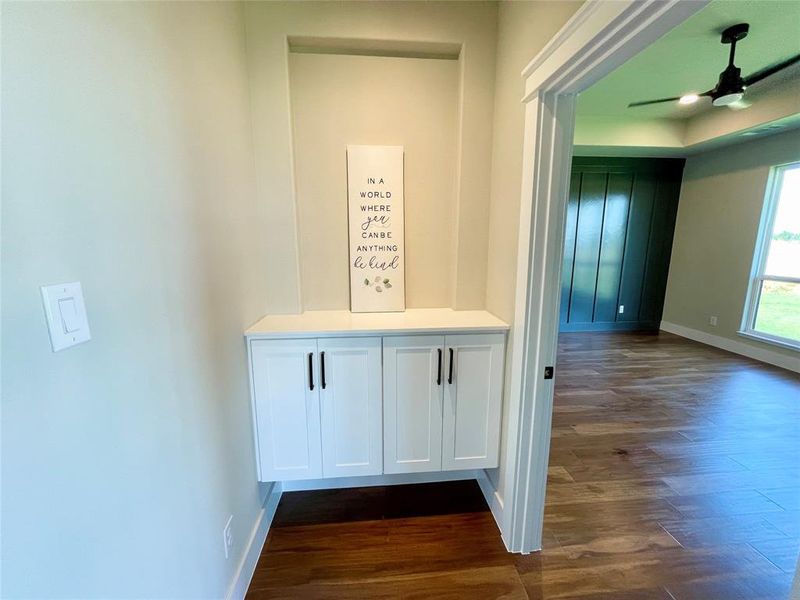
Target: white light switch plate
[66,315]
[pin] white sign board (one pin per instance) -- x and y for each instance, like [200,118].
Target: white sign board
[375,210]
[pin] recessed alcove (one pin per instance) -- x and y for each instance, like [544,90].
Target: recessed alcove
[344,98]
[383,92]
[317,89]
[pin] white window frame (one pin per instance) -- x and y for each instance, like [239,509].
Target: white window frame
[757,276]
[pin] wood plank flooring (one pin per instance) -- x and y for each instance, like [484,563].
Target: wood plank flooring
[674,475]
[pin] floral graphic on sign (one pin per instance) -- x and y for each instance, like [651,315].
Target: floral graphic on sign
[387,283]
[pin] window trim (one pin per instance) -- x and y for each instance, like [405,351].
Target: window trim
[757,276]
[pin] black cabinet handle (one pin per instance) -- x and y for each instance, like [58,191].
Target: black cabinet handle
[311,371]
[439,372]
[450,373]
[322,368]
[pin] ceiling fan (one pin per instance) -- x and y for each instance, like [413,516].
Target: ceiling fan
[731,86]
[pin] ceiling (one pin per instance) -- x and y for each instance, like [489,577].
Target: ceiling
[690,57]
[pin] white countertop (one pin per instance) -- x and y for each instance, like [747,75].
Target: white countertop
[343,322]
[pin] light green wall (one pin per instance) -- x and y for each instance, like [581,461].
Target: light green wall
[127,164]
[715,235]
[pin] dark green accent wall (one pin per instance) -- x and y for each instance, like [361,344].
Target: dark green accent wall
[620,221]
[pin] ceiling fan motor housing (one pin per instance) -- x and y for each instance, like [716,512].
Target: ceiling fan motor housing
[730,86]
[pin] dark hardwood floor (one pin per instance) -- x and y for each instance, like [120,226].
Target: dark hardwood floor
[674,475]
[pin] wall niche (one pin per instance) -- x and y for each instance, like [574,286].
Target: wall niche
[411,101]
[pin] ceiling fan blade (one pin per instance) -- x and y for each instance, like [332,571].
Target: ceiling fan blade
[771,70]
[646,102]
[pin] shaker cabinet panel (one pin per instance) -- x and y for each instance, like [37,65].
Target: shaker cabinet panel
[412,396]
[350,406]
[472,401]
[286,395]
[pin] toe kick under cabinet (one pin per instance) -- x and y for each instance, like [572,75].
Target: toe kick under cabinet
[340,395]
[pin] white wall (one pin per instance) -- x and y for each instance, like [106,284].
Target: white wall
[127,164]
[719,211]
[468,25]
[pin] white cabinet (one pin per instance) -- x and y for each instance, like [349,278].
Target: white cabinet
[350,406]
[318,407]
[410,398]
[412,395]
[442,402]
[472,401]
[286,397]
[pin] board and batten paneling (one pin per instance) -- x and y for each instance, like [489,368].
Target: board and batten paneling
[620,221]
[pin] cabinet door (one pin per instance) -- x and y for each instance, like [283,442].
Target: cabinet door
[412,393]
[286,394]
[472,401]
[351,406]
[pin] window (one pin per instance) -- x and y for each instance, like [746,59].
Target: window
[772,312]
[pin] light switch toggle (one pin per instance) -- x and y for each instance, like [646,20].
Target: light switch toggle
[66,315]
[69,315]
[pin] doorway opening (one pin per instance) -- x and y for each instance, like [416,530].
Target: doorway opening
[656,425]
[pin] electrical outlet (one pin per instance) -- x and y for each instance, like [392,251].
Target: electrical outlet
[227,536]
[621,309]
[712,320]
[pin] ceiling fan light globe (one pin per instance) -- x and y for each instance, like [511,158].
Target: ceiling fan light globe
[689,99]
[727,99]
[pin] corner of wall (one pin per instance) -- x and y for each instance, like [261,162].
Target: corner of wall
[243,575]
[756,351]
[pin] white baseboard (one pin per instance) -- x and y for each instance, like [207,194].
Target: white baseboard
[373,480]
[247,566]
[493,498]
[748,350]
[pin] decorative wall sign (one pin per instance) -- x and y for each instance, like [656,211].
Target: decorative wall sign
[375,210]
